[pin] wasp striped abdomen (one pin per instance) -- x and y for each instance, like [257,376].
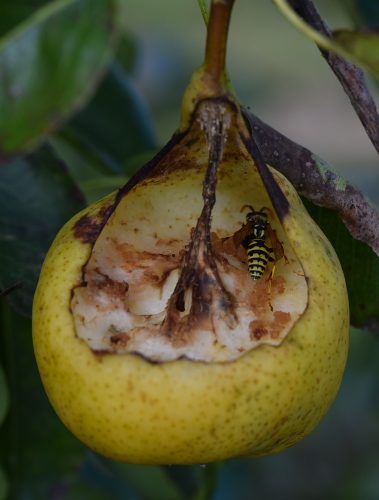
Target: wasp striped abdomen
[258,256]
[253,236]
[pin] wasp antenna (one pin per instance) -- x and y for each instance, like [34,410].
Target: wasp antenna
[268,210]
[247,206]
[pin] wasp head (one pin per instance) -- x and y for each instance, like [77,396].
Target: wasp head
[258,219]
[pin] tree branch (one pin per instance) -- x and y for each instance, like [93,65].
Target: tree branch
[350,76]
[314,179]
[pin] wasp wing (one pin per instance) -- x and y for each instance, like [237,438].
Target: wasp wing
[240,236]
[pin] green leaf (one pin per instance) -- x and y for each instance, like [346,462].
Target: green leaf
[4,398]
[359,263]
[111,137]
[37,196]
[362,46]
[3,485]
[83,164]
[50,65]
[13,13]
[116,123]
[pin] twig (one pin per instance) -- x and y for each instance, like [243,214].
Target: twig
[11,288]
[313,178]
[350,76]
[217,35]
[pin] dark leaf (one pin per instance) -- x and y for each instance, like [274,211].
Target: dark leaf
[96,189]
[116,123]
[3,396]
[100,478]
[13,13]
[41,457]
[188,478]
[3,485]
[120,481]
[360,266]
[58,53]
[37,196]
[127,52]
[3,410]
[82,163]
[209,480]
[111,137]
[150,481]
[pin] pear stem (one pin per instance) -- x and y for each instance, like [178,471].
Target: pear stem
[217,35]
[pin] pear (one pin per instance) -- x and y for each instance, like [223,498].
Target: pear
[154,341]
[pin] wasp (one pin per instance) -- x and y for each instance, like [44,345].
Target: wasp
[255,236]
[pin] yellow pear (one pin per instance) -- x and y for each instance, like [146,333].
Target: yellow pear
[154,341]
[199,313]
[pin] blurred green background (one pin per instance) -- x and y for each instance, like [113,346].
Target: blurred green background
[103,137]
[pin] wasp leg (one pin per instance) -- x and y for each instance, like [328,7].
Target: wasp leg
[302,275]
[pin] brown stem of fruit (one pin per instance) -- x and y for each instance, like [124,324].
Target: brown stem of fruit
[199,272]
[350,76]
[217,35]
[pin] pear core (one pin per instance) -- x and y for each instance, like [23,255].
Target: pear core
[136,262]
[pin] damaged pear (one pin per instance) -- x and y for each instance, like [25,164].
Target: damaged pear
[155,344]
[170,325]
